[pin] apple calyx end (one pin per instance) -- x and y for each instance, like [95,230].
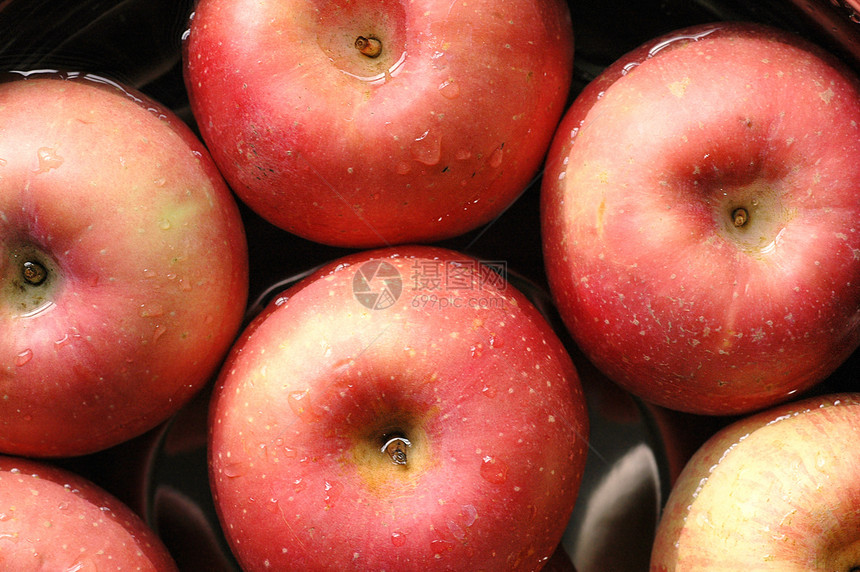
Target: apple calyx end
[369,46]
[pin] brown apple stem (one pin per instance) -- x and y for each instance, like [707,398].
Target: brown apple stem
[34,273]
[370,47]
[740,216]
[395,448]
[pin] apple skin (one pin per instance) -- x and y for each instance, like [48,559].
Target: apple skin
[778,490]
[52,519]
[486,394]
[434,137]
[651,276]
[146,259]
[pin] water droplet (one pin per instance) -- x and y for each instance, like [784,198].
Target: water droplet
[152,310]
[494,470]
[23,357]
[148,273]
[272,505]
[300,403]
[489,391]
[403,168]
[299,485]
[332,493]
[232,470]
[398,538]
[164,224]
[449,89]
[440,546]
[496,157]
[463,155]
[427,148]
[2,162]
[48,159]
[160,182]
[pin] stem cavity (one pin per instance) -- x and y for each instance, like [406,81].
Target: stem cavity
[395,448]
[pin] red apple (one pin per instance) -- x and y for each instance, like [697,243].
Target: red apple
[376,122]
[700,212]
[779,490]
[402,409]
[123,266]
[51,519]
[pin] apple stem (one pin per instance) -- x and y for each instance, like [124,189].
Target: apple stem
[370,47]
[740,216]
[396,449]
[33,273]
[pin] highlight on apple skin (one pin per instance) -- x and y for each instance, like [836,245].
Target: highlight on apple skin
[699,217]
[778,490]
[401,409]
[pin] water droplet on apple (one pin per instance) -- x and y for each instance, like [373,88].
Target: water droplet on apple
[403,168]
[449,89]
[333,490]
[427,148]
[232,470]
[494,470]
[152,310]
[496,157]
[398,538]
[160,182]
[299,485]
[300,404]
[463,155]
[2,162]
[23,357]
[488,391]
[48,159]
[441,546]
[164,224]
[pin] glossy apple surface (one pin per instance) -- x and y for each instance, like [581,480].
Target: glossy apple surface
[123,266]
[700,213]
[51,519]
[412,350]
[434,135]
[779,490]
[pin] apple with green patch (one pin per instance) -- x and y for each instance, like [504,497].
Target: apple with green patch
[123,265]
[400,409]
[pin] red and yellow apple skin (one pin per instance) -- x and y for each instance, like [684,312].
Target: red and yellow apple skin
[700,212]
[51,519]
[436,135]
[138,271]
[479,384]
[779,490]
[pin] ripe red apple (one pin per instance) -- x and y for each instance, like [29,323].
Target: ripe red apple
[402,409]
[123,265]
[52,519]
[376,122]
[779,490]
[700,212]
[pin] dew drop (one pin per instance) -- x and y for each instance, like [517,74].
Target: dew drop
[332,493]
[299,485]
[232,470]
[48,159]
[23,357]
[494,470]
[496,158]
[403,168]
[398,538]
[160,182]
[164,224]
[488,391]
[440,546]
[449,89]
[463,155]
[300,403]
[151,310]
[2,162]
[427,148]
